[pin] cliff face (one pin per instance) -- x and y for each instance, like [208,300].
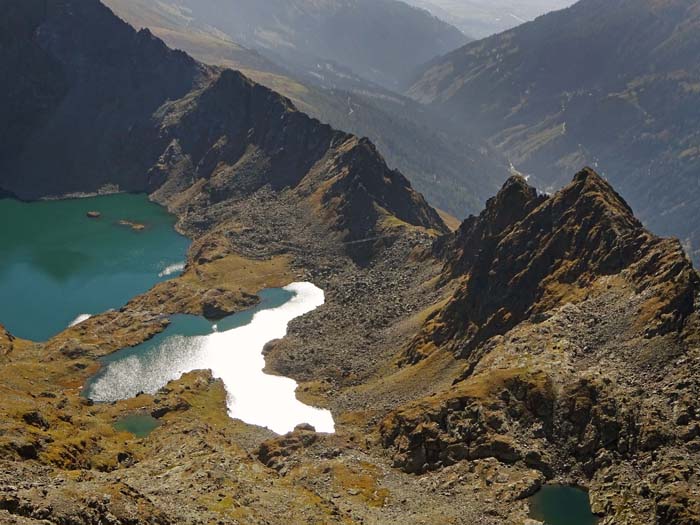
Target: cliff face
[577,332]
[25,67]
[104,106]
[95,83]
[526,254]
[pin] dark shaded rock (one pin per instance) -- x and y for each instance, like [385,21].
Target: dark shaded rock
[458,424]
[526,254]
[180,406]
[276,453]
[35,419]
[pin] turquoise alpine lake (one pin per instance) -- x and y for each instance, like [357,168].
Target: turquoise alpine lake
[562,505]
[58,266]
[140,425]
[233,349]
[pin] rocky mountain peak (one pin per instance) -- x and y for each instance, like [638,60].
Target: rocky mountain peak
[615,93]
[589,191]
[107,106]
[526,254]
[512,203]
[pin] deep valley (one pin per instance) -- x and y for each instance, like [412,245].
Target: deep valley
[547,340]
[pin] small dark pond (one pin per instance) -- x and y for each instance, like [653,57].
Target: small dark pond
[562,505]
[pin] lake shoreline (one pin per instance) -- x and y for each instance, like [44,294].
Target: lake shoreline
[233,350]
[59,264]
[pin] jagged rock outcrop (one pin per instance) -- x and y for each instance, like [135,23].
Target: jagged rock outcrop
[105,106]
[578,333]
[236,137]
[274,453]
[472,421]
[526,254]
[579,86]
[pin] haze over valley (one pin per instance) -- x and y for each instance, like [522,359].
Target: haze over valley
[482,18]
[335,262]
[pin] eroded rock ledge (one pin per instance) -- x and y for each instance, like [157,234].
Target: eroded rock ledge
[578,332]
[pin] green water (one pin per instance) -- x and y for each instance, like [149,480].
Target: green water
[561,505]
[138,425]
[57,264]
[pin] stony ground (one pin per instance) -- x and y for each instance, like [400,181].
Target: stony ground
[64,463]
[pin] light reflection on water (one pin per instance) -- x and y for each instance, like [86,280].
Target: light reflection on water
[232,351]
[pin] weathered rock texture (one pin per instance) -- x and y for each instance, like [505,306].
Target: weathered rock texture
[526,254]
[550,337]
[578,331]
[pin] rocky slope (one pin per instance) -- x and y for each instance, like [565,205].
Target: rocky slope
[136,116]
[455,174]
[578,333]
[609,84]
[549,338]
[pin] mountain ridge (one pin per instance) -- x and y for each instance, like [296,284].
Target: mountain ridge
[583,232]
[569,320]
[455,174]
[606,84]
[175,122]
[551,339]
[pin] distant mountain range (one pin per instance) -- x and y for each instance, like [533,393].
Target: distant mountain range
[455,173]
[550,339]
[482,18]
[615,85]
[380,40]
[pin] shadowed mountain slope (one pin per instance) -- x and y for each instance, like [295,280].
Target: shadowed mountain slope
[577,330]
[614,85]
[455,173]
[128,113]
[527,253]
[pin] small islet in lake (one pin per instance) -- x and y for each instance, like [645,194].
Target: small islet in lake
[65,260]
[58,265]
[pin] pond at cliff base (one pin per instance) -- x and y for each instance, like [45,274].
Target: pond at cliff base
[233,350]
[562,505]
[58,266]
